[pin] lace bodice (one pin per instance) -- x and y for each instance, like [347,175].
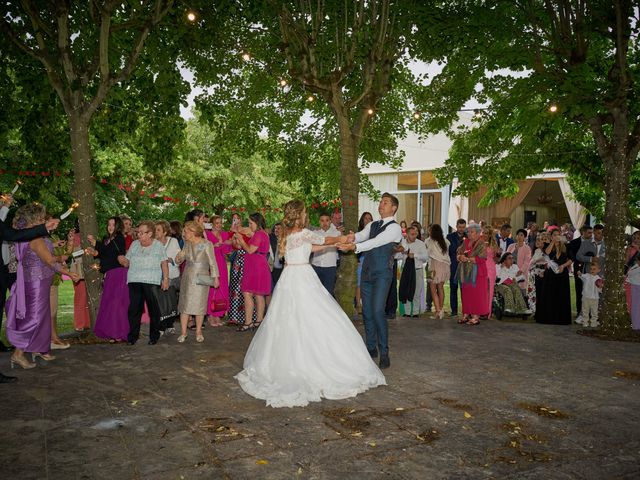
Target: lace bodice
[299,246]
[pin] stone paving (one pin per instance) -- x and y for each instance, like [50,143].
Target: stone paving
[500,400]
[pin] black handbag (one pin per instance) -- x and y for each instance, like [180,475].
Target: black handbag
[167,302]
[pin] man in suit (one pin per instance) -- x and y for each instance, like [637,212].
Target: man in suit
[504,237]
[10,235]
[377,241]
[278,261]
[456,239]
[575,246]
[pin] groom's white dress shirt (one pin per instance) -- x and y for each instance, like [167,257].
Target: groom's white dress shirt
[393,233]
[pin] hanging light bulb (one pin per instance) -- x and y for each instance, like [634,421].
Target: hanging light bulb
[246,56]
[283,82]
[191,16]
[477,113]
[553,108]
[370,111]
[310,98]
[416,115]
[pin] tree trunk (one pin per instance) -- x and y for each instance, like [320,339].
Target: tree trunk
[349,183]
[613,308]
[84,189]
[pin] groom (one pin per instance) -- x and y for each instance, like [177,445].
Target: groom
[377,242]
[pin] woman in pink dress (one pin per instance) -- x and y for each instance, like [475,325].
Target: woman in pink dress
[256,281]
[521,255]
[493,255]
[472,275]
[218,302]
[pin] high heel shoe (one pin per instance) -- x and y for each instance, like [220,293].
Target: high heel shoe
[23,362]
[47,357]
[200,338]
[246,328]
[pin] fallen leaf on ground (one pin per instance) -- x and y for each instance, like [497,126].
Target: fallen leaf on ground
[372,444]
[467,415]
[134,403]
[356,434]
[262,462]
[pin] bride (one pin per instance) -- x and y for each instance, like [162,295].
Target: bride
[306,348]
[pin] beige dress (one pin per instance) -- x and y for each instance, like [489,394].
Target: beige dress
[200,261]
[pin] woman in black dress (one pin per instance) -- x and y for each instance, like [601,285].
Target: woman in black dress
[554,304]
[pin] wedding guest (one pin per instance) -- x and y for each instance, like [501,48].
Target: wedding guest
[633,279]
[509,277]
[632,252]
[218,302]
[365,219]
[591,289]
[325,261]
[336,220]
[554,306]
[171,249]
[256,281]
[148,271]
[128,231]
[7,267]
[599,245]
[521,255]
[503,238]
[439,266]
[472,275]
[537,267]
[415,250]
[112,320]
[493,255]
[403,227]
[278,259]
[577,250]
[176,232]
[28,307]
[195,215]
[532,234]
[456,240]
[81,318]
[200,274]
[236,313]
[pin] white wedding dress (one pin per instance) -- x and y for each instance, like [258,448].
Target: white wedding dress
[306,347]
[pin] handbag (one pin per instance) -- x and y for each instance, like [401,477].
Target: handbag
[167,302]
[204,280]
[218,304]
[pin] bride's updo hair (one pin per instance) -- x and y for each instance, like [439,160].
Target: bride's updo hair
[295,216]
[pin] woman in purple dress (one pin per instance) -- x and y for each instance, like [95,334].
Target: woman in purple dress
[112,321]
[28,306]
[218,302]
[256,281]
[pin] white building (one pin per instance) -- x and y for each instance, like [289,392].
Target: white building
[541,198]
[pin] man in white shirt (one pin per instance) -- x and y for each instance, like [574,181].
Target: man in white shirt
[377,241]
[325,261]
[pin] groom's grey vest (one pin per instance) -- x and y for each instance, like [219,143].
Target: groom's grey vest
[378,262]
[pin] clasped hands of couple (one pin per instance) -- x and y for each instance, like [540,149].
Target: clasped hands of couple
[346,243]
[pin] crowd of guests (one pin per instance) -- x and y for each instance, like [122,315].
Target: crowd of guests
[530,271]
[198,272]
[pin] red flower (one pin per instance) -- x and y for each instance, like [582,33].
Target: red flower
[153,195]
[103,181]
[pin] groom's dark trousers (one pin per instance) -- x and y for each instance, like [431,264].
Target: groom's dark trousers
[374,300]
[377,274]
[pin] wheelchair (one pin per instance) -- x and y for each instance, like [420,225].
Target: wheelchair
[497,307]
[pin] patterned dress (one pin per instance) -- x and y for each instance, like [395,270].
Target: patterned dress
[236,300]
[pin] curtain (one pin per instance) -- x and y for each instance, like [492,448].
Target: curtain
[458,207]
[385,182]
[499,212]
[577,212]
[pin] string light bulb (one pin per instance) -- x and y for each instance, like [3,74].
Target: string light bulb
[283,82]
[246,56]
[191,16]
[477,113]
[370,111]
[416,115]
[553,108]
[310,98]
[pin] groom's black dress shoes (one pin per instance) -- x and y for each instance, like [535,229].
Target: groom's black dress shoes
[384,361]
[7,379]
[373,353]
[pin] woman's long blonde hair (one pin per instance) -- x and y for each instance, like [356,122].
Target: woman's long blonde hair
[490,237]
[295,216]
